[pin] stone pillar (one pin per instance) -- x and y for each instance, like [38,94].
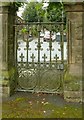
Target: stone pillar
[73,76]
[7,16]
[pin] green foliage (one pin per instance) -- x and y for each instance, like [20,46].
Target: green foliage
[16,5]
[33,12]
[54,11]
[24,30]
[34,31]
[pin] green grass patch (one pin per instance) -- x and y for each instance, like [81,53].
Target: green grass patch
[31,108]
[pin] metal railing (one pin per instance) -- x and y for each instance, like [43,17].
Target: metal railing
[38,64]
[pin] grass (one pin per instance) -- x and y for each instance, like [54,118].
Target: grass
[24,107]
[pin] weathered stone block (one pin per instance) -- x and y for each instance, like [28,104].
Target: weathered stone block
[0,93]
[73,96]
[73,86]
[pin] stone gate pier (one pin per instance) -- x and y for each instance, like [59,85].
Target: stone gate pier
[73,78]
[7,56]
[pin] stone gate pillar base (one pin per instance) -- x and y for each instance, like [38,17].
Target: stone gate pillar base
[72,88]
[73,76]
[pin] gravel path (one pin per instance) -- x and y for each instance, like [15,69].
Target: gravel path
[51,98]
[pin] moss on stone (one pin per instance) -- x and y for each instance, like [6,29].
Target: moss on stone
[69,77]
[9,80]
[72,82]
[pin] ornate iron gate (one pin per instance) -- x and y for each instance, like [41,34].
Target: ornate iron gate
[39,59]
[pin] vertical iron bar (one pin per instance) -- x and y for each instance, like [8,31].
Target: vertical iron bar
[62,45]
[16,44]
[62,51]
[62,41]
[50,46]
[39,45]
[22,64]
[27,43]
[15,50]
[68,41]
[32,60]
[15,55]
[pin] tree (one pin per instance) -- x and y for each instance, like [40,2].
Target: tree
[54,11]
[15,5]
[18,4]
[33,12]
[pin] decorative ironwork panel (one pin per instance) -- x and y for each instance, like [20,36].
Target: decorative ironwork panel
[39,56]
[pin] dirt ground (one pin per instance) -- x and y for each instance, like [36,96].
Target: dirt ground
[39,105]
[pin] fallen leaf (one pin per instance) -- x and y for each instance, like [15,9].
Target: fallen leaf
[52,110]
[63,113]
[44,111]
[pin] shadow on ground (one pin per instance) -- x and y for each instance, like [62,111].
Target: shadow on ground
[39,105]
